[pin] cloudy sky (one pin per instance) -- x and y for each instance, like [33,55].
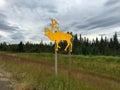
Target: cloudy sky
[25,20]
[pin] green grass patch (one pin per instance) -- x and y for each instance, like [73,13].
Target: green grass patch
[104,65]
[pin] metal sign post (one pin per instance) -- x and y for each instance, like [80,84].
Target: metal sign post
[70,62]
[69,71]
[55,61]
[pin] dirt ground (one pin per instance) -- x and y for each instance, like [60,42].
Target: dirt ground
[5,83]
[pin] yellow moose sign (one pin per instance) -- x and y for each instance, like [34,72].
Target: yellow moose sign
[58,35]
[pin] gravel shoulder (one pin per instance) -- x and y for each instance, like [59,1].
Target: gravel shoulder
[5,83]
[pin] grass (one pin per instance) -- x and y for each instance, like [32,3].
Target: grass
[105,65]
[30,76]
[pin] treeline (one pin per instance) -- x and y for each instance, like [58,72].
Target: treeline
[104,46]
[27,47]
[81,45]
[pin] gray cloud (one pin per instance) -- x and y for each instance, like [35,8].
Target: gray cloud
[52,11]
[2,16]
[109,17]
[4,25]
[47,6]
[104,22]
[112,2]
[17,36]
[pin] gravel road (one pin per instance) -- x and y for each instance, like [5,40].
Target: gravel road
[4,83]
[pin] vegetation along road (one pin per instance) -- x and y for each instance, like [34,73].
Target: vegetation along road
[35,71]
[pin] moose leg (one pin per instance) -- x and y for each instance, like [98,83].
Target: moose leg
[71,47]
[67,46]
[57,46]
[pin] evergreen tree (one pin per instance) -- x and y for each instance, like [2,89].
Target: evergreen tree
[115,41]
[75,44]
[20,47]
[115,44]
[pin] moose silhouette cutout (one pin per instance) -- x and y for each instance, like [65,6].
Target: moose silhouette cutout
[58,36]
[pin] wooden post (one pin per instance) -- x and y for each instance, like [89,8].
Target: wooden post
[69,72]
[70,62]
[55,61]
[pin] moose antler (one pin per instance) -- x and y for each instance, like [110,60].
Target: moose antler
[54,24]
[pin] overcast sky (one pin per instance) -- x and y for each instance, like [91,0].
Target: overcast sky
[25,20]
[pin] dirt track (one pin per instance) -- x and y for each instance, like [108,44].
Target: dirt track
[88,76]
[4,83]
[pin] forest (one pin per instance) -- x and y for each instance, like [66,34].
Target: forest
[81,46]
